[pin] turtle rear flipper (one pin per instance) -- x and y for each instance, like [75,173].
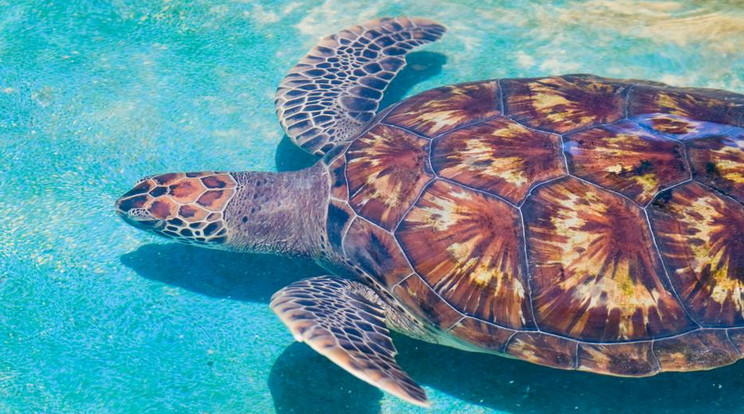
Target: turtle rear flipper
[338,320]
[335,90]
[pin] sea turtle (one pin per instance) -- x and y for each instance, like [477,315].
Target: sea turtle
[575,221]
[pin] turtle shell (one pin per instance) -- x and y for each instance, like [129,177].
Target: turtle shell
[576,222]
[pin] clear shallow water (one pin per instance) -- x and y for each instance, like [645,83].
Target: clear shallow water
[96,316]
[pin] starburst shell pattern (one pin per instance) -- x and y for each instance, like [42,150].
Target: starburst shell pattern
[500,156]
[468,247]
[625,158]
[576,222]
[695,104]
[444,109]
[386,170]
[595,274]
[562,104]
[718,161]
[701,237]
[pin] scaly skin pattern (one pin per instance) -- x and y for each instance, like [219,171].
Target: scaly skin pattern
[279,213]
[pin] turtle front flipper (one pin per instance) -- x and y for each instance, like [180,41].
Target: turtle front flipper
[335,90]
[343,321]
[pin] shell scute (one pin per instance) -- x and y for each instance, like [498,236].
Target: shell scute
[376,251]
[701,238]
[337,172]
[468,246]
[718,161]
[543,349]
[736,336]
[625,158]
[563,104]
[595,272]
[386,169]
[419,298]
[338,219]
[499,156]
[633,359]
[443,109]
[697,104]
[482,335]
[679,127]
[702,349]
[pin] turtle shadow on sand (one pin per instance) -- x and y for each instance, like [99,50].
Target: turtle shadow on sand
[500,383]
[216,273]
[516,386]
[486,380]
[303,381]
[300,378]
[419,66]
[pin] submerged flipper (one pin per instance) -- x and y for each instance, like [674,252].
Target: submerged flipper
[336,318]
[335,90]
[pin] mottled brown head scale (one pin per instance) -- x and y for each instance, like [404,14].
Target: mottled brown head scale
[187,207]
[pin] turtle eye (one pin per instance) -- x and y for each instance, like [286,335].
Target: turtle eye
[140,214]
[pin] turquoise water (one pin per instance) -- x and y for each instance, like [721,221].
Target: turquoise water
[96,316]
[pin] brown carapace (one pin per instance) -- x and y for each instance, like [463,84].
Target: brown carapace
[576,222]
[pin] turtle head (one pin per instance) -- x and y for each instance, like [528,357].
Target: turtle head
[260,212]
[188,207]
